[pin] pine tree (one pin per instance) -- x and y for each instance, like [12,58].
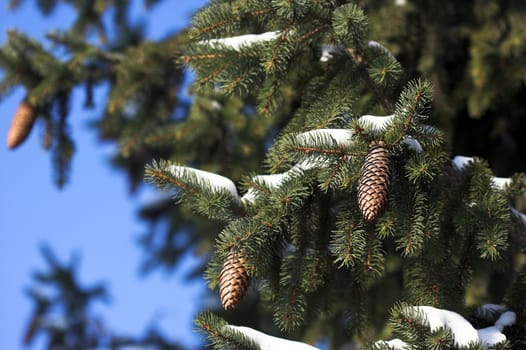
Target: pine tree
[306,87]
[314,232]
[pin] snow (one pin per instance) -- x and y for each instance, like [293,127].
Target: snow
[396,343]
[501,182]
[519,215]
[275,180]
[268,342]
[238,42]
[413,144]
[493,335]
[506,319]
[490,336]
[342,137]
[272,181]
[463,332]
[490,308]
[216,183]
[460,162]
[376,44]
[327,51]
[376,122]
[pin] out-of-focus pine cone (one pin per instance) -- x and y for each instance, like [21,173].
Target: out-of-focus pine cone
[21,124]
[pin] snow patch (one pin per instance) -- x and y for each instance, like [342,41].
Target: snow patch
[216,183]
[327,51]
[493,335]
[342,137]
[396,343]
[413,144]
[376,44]
[460,162]
[238,42]
[501,182]
[375,122]
[268,342]
[463,332]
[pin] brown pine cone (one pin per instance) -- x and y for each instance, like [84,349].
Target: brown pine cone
[375,181]
[21,124]
[233,280]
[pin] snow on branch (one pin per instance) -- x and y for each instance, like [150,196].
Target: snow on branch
[501,182]
[275,180]
[238,42]
[396,344]
[462,331]
[215,183]
[375,122]
[493,335]
[342,137]
[377,45]
[460,162]
[327,50]
[268,342]
[413,144]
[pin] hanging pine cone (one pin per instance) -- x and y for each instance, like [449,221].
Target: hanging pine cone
[375,180]
[233,280]
[21,124]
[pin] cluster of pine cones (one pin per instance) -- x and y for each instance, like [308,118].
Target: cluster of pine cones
[373,189]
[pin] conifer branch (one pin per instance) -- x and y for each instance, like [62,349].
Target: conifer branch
[363,67]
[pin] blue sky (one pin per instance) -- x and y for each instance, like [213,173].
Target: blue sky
[94,215]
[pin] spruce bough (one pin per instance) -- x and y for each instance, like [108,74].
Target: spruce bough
[306,244]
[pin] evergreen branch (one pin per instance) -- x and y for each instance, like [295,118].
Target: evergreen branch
[213,75]
[270,64]
[267,105]
[161,178]
[191,58]
[311,33]
[341,152]
[222,23]
[363,68]
[221,336]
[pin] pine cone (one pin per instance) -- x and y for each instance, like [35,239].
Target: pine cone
[21,124]
[375,180]
[233,280]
